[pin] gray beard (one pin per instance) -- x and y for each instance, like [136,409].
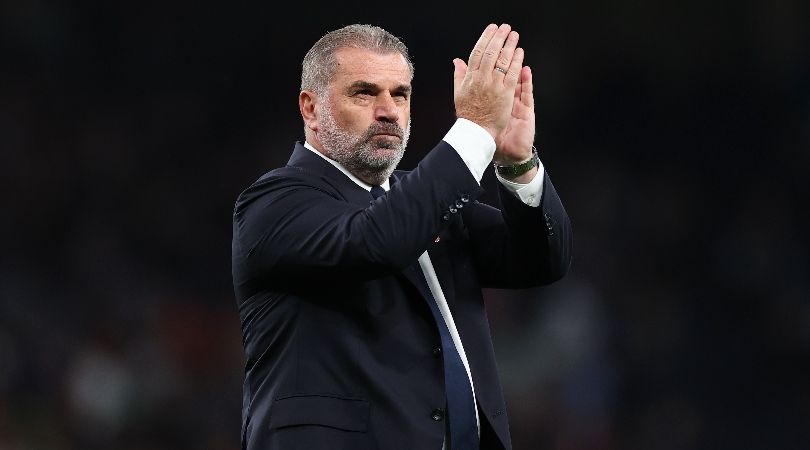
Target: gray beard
[361,155]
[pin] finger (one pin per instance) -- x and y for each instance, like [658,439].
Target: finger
[459,72]
[526,87]
[513,74]
[519,86]
[494,48]
[478,51]
[508,50]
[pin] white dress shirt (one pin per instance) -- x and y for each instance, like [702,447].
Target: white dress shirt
[476,147]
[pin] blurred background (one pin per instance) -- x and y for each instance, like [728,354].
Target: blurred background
[677,134]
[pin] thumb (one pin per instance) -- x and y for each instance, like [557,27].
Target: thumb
[459,73]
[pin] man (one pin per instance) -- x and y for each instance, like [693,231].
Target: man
[359,288]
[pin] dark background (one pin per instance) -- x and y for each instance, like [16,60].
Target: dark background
[676,132]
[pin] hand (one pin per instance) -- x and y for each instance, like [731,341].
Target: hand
[514,143]
[481,93]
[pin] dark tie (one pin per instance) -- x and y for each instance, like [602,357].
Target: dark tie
[377,191]
[460,402]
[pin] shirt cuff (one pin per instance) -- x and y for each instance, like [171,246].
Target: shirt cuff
[474,144]
[530,193]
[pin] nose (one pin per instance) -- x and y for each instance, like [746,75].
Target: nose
[385,108]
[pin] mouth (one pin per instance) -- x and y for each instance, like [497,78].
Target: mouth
[389,135]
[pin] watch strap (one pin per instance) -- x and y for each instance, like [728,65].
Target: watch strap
[518,169]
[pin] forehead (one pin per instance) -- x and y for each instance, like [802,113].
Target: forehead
[355,64]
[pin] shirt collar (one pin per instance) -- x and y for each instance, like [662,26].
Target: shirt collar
[385,185]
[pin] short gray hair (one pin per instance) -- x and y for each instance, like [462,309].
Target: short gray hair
[320,62]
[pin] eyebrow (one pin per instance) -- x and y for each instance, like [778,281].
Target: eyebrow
[360,85]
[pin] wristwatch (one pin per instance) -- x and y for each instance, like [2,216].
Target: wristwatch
[518,169]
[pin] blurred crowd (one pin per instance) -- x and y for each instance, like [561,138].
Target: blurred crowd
[677,134]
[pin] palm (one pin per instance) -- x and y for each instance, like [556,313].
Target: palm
[515,141]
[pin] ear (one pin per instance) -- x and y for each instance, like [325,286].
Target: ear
[307,102]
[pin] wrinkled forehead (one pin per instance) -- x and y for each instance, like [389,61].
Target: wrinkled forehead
[356,64]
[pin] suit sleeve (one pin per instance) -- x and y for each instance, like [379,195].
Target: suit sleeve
[291,229]
[520,246]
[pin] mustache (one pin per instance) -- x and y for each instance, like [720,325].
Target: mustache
[384,128]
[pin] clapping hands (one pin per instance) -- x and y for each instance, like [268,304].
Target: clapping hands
[494,90]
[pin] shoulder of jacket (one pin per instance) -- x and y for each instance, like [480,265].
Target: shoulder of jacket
[283,178]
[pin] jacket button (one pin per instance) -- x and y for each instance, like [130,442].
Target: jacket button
[446,216]
[465,198]
[459,204]
[437,415]
[437,352]
[453,209]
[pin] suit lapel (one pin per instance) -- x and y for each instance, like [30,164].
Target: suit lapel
[306,159]
[440,259]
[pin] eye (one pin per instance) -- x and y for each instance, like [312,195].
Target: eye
[362,96]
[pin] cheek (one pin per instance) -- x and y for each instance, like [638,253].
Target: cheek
[355,119]
[404,118]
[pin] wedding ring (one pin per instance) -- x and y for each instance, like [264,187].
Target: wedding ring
[500,70]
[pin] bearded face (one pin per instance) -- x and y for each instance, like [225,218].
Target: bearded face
[373,155]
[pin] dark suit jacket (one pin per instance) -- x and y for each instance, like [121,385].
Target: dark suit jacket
[342,351]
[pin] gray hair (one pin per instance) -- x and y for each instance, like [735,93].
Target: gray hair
[320,62]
